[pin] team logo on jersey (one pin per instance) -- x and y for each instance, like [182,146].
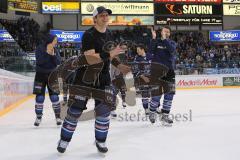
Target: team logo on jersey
[161,47]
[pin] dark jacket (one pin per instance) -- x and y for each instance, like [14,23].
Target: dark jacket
[46,63]
[163,52]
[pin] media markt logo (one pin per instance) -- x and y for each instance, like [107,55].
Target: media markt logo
[228,81]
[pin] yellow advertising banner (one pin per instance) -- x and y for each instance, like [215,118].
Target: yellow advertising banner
[60,7]
[23,5]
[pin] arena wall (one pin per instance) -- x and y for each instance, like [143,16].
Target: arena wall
[13,88]
[207,81]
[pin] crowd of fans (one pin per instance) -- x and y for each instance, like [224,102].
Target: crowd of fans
[194,51]
[24,31]
[9,51]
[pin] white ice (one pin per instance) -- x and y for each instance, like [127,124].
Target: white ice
[212,133]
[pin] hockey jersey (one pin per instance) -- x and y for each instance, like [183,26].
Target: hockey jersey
[163,52]
[142,65]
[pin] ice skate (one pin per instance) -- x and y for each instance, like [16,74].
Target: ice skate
[62,146]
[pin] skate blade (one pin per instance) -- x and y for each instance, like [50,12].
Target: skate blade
[36,126]
[113,116]
[59,154]
[164,124]
[101,154]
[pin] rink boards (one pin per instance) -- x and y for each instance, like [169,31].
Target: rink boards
[15,88]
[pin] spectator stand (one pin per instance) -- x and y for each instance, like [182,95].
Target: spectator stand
[12,57]
[25,32]
[227,51]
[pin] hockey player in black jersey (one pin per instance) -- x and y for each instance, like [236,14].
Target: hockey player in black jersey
[92,77]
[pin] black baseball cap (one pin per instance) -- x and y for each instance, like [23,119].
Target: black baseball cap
[100,10]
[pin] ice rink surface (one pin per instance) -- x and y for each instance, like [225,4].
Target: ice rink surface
[206,127]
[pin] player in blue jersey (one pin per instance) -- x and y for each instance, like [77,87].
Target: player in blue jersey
[141,73]
[47,59]
[163,50]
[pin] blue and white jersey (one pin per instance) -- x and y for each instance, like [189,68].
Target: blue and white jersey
[142,65]
[164,52]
